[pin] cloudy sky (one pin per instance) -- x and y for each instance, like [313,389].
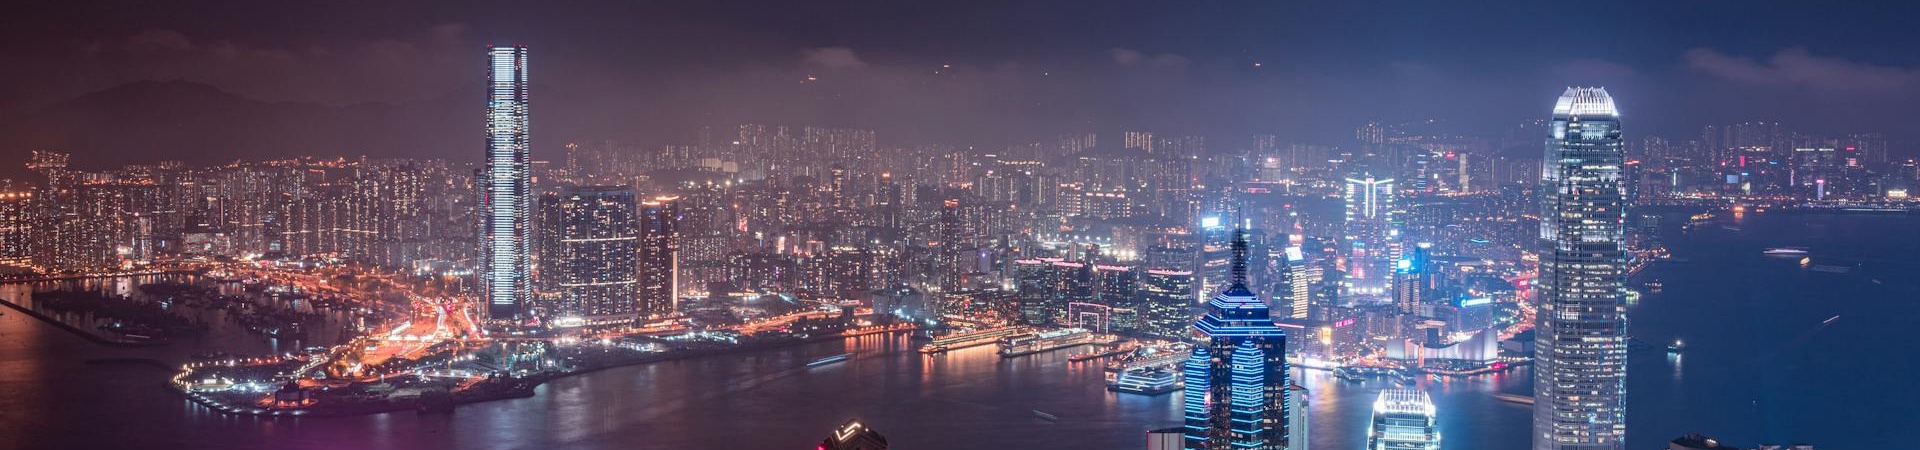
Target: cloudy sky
[992,72]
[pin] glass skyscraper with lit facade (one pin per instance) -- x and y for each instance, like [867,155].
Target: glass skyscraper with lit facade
[1237,380]
[1404,419]
[505,184]
[1580,362]
[1368,201]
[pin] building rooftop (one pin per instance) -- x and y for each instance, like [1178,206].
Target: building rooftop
[1585,101]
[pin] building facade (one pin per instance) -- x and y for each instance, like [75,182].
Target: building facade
[1403,419]
[1237,378]
[591,259]
[504,184]
[1580,337]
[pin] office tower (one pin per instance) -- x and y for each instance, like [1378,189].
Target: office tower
[1117,288]
[853,436]
[1403,419]
[1299,278]
[1297,418]
[1580,335]
[591,259]
[1166,296]
[1165,439]
[504,184]
[1236,391]
[1411,280]
[1369,228]
[659,256]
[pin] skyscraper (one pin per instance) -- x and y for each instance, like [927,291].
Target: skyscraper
[1236,391]
[853,436]
[659,255]
[1165,297]
[1369,223]
[1580,337]
[1299,278]
[591,262]
[1403,419]
[504,184]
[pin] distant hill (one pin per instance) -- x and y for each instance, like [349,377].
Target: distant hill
[177,120]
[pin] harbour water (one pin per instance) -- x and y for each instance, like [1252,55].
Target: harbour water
[1762,364]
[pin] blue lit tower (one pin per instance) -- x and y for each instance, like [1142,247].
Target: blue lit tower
[1580,332]
[504,185]
[1236,392]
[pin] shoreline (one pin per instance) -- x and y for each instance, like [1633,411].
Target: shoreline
[521,388]
[95,338]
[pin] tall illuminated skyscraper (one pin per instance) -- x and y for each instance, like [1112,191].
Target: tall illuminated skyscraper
[1580,334]
[1236,391]
[1369,226]
[1403,419]
[504,186]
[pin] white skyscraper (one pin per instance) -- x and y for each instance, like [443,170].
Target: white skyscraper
[505,185]
[1580,360]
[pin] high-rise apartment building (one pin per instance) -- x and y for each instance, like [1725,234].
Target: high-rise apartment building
[591,259]
[659,255]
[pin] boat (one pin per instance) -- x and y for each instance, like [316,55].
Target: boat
[1097,353]
[830,360]
[1050,417]
[1146,381]
[1654,286]
[1511,398]
[1785,251]
[1829,320]
[1046,341]
[1677,347]
[956,341]
[1830,268]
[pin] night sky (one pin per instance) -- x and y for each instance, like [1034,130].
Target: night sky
[958,72]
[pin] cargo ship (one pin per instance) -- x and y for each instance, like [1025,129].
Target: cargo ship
[975,338]
[1045,341]
[1147,381]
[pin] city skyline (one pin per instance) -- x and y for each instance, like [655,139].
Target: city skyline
[873,241]
[1688,76]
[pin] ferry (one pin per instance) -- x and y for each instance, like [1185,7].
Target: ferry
[957,341]
[1785,251]
[830,360]
[1046,341]
[1147,381]
[1653,287]
[1510,398]
[1149,357]
[1099,353]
